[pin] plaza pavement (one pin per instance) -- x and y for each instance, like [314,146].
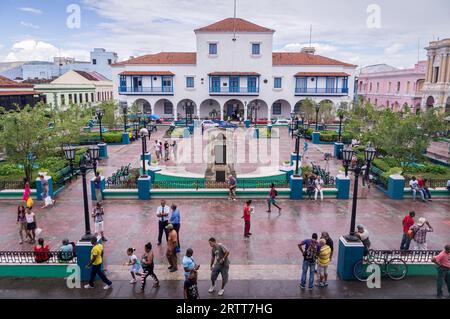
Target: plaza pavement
[260,264]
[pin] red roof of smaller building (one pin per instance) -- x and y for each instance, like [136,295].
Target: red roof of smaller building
[2,93]
[163,58]
[301,58]
[234,73]
[322,74]
[147,73]
[7,83]
[87,75]
[233,24]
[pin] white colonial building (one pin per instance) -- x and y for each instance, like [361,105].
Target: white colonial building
[233,73]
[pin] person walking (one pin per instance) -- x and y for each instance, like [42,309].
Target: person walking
[190,287]
[156,148]
[232,185]
[161,147]
[220,264]
[148,266]
[323,260]
[318,188]
[97,187]
[419,233]
[26,190]
[175,220]
[310,251]
[189,263]
[31,225]
[98,216]
[21,222]
[443,272]
[174,150]
[248,210]
[134,263]
[163,220]
[171,252]
[407,222]
[166,151]
[273,193]
[45,193]
[96,265]
[305,148]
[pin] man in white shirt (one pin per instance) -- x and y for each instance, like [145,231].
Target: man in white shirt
[156,148]
[414,184]
[163,220]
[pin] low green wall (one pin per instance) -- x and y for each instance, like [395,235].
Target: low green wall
[15,194]
[428,269]
[34,270]
[434,193]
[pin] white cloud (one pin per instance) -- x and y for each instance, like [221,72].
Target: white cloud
[29,25]
[29,50]
[30,10]
[393,49]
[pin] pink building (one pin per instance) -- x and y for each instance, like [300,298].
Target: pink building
[386,86]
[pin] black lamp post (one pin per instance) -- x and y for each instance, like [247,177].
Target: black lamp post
[143,133]
[125,112]
[297,150]
[347,155]
[99,113]
[94,153]
[317,107]
[302,116]
[292,125]
[369,154]
[187,107]
[139,115]
[136,130]
[341,117]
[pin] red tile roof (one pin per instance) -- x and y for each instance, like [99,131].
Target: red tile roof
[233,24]
[234,73]
[7,83]
[301,58]
[163,58]
[2,93]
[146,73]
[87,75]
[322,74]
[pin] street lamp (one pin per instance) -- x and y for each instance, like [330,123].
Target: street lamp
[297,150]
[143,133]
[341,117]
[187,109]
[125,111]
[99,113]
[292,124]
[302,116]
[317,107]
[94,152]
[347,155]
[369,155]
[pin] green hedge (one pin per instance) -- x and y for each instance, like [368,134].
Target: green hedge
[108,137]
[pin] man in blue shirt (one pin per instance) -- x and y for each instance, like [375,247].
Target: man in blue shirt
[175,219]
[312,248]
[189,263]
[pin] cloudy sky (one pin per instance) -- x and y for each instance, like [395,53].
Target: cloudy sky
[356,31]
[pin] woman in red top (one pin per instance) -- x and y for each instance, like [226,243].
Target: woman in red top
[41,251]
[247,211]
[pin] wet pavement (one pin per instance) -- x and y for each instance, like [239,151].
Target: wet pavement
[271,251]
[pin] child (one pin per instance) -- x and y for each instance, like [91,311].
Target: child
[135,264]
[148,266]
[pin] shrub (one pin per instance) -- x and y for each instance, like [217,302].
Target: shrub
[381,164]
[112,137]
[10,169]
[328,136]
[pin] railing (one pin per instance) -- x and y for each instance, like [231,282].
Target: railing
[11,185]
[30,257]
[321,90]
[409,256]
[232,89]
[118,184]
[202,184]
[141,89]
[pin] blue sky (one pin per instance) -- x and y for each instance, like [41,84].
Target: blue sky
[37,29]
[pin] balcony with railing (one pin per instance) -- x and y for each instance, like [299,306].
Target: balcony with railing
[234,83]
[234,90]
[320,91]
[164,90]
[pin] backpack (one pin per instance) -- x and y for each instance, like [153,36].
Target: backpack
[276,192]
[311,252]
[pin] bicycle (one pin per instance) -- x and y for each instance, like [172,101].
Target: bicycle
[394,268]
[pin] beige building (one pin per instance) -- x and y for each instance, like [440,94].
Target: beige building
[436,90]
[77,87]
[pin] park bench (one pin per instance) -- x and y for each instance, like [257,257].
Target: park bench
[65,174]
